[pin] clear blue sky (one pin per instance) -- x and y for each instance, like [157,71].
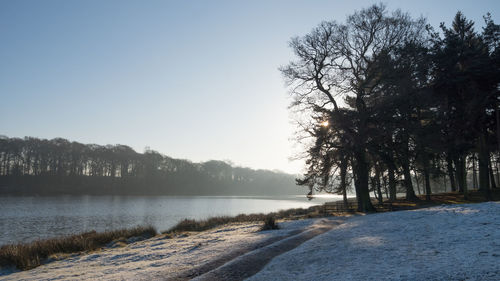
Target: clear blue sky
[191,79]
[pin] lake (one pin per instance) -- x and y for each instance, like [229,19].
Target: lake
[26,219]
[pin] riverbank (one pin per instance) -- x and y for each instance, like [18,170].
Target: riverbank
[33,218]
[168,256]
[30,255]
[418,241]
[446,242]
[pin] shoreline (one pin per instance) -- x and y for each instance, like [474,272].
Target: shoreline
[188,225]
[240,234]
[421,250]
[55,216]
[165,256]
[25,256]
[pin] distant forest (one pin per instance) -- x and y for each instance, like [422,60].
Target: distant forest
[33,166]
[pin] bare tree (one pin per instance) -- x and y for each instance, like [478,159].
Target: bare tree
[336,67]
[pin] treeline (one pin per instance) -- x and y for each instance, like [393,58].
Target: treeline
[33,166]
[389,104]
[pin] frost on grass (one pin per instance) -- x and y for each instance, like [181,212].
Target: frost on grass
[439,243]
[157,258]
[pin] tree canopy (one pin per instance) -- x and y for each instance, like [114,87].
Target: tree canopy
[388,100]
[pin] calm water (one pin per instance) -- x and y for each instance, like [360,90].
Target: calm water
[24,219]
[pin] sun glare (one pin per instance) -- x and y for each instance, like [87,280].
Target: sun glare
[324,123]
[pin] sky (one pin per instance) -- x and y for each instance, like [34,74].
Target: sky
[195,80]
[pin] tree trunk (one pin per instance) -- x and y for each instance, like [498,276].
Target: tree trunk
[113,169]
[344,199]
[463,168]
[461,174]
[363,193]
[410,193]
[497,113]
[364,201]
[343,181]
[474,173]
[392,183]
[416,181]
[492,176]
[386,190]
[377,184]
[405,163]
[496,169]
[427,182]
[356,183]
[484,170]
[449,165]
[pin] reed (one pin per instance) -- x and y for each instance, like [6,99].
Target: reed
[29,255]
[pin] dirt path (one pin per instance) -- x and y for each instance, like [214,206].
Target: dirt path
[247,263]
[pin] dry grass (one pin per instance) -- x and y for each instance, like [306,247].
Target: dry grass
[30,255]
[201,225]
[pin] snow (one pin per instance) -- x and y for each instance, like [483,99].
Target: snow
[456,242]
[156,258]
[448,242]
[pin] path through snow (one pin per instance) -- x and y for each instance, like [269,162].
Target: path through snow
[250,263]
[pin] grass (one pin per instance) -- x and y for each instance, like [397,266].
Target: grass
[30,255]
[201,225]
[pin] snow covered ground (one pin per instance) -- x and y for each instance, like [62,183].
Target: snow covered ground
[159,257]
[458,242]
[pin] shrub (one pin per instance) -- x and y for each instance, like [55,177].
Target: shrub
[269,223]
